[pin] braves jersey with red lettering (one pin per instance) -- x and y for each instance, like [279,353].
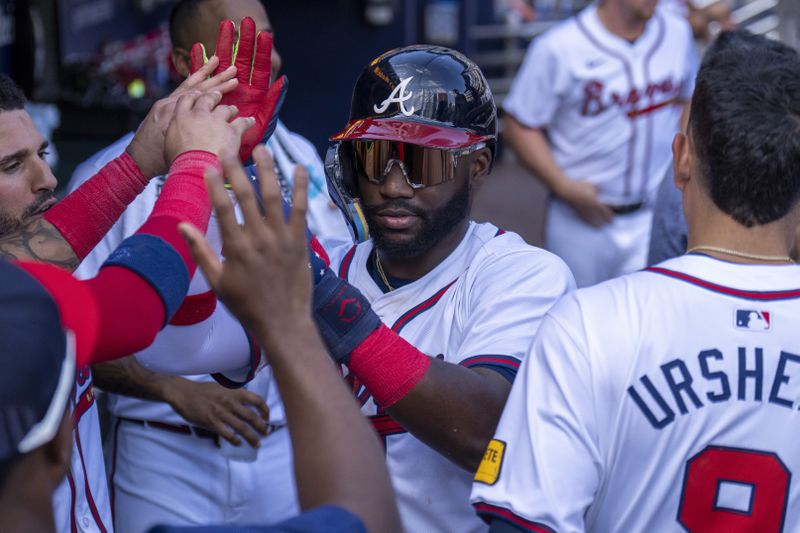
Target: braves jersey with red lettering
[608,106]
[481,306]
[664,400]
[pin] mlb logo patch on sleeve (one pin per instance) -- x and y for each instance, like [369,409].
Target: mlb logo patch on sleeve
[489,469]
[753,320]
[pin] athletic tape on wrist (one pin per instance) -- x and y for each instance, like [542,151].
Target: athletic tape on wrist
[343,316]
[158,263]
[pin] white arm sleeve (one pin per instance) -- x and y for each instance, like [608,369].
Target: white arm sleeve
[550,465]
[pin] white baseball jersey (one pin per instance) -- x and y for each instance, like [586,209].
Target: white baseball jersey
[218,343]
[665,400]
[481,306]
[679,7]
[609,107]
[81,501]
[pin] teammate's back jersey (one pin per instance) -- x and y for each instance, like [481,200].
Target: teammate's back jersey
[666,400]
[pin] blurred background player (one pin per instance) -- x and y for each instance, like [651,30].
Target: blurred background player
[667,399]
[431,314]
[591,114]
[164,457]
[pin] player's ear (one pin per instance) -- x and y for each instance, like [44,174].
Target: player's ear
[681,160]
[479,166]
[180,59]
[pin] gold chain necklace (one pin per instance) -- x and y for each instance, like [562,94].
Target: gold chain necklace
[381,273]
[736,253]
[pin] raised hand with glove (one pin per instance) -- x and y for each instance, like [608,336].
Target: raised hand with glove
[254,96]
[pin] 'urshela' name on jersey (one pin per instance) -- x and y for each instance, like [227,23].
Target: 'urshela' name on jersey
[682,385]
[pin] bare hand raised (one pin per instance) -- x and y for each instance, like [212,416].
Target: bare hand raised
[147,146]
[199,123]
[265,279]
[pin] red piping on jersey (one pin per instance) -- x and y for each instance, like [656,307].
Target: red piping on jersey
[739,293]
[111,488]
[195,309]
[385,425]
[344,268]
[84,403]
[418,309]
[89,499]
[72,526]
[629,74]
[648,110]
[496,360]
[500,512]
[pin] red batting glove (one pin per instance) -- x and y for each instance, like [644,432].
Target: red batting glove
[254,96]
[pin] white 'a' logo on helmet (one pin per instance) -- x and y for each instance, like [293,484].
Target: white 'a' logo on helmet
[399,97]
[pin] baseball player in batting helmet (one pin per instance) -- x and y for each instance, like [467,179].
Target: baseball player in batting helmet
[430,315]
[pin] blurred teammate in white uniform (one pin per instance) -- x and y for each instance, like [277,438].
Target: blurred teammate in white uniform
[667,400]
[592,113]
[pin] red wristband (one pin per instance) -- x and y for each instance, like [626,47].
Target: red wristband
[388,366]
[86,215]
[186,198]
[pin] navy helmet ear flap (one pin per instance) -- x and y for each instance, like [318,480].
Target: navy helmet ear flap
[343,188]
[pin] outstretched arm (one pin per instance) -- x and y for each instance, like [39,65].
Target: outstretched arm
[338,459]
[69,231]
[143,282]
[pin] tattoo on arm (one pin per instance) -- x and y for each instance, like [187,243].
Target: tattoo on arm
[126,376]
[38,241]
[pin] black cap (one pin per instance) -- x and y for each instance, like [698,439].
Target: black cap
[37,363]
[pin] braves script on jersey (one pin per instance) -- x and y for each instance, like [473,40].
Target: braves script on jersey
[481,306]
[665,400]
[609,106]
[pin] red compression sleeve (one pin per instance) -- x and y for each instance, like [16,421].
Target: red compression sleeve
[183,198]
[87,214]
[131,311]
[388,366]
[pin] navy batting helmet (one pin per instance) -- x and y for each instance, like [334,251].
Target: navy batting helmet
[429,96]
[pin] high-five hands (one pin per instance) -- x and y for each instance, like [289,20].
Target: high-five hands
[147,146]
[265,279]
[254,96]
[200,122]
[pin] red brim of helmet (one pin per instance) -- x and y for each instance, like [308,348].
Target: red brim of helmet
[419,133]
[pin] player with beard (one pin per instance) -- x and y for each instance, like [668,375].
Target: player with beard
[434,312]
